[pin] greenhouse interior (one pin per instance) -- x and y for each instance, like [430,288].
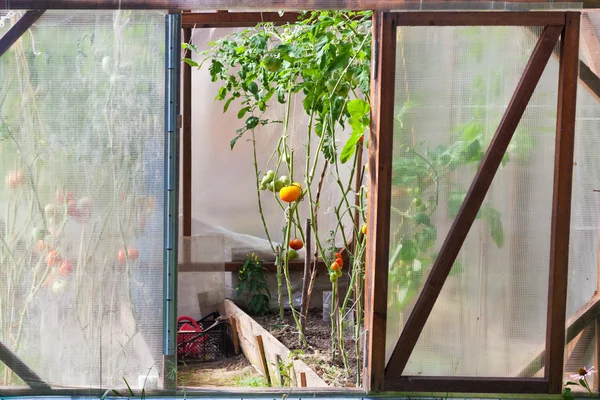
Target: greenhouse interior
[204,198]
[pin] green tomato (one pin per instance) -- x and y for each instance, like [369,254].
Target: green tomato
[417,202]
[263,186]
[273,64]
[285,180]
[292,254]
[278,185]
[343,89]
[417,191]
[269,175]
[38,233]
[271,186]
[333,277]
[338,274]
[59,286]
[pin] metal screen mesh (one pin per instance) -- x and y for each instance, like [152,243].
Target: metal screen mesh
[81,130]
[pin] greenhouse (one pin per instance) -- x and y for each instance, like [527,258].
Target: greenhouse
[283,199]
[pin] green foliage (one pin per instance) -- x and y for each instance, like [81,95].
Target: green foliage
[252,282]
[253,381]
[325,57]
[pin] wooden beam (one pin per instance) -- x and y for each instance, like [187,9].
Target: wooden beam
[18,29]
[234,266]
[236,19]
[186,133]
[561,203]
[480,18]
[466,384]
[14,363]
[380,167]
[470,207]
[272,5]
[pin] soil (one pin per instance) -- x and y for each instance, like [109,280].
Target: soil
[229,372]
[318,354]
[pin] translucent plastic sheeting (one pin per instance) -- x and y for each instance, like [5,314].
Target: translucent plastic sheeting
[224,197]
[201,276]
[583,249]
[453,85]
[81,130]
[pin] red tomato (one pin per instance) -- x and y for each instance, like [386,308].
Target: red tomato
[133,254]
[121,256]
[53,258]
[340,262]
[66,268]
[296,244]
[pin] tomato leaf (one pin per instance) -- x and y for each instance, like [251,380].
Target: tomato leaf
[191,62]
[243,112]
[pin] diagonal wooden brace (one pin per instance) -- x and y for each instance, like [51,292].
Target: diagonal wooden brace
[21,369]
[470,207]
[18,29]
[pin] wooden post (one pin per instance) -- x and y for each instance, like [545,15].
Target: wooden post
[263,357]
[473,200]
[186,153]
[561,203]
[380,181]
[302,379]
[234,333]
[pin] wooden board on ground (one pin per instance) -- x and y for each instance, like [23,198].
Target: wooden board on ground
[248,329]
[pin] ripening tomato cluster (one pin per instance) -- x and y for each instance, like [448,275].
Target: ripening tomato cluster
[288,191]
[335,269]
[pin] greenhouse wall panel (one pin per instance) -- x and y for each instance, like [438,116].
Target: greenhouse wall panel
[81,202]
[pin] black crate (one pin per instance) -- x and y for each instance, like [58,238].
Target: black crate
[208,345]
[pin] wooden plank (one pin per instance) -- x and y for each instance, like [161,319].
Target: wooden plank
[18,29]
[470,207]
[220,4]
[234,333]
[575,325]
[561,203]
[577,349]
[263,358]
[186,141]
[248,329]
[236,19]
[590,45]
[380,167]
[480,18]
[466,384]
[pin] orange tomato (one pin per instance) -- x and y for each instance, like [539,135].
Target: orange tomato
[364,229]
[338,255]
[53,258]
[336,267]
[121,256]
[133,254]
[41,245]
[291,193]
[296,244]
[339,261]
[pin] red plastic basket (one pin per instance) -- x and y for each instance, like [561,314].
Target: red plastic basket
[192,342]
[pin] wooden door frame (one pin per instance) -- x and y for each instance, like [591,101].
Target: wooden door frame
[390,378]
